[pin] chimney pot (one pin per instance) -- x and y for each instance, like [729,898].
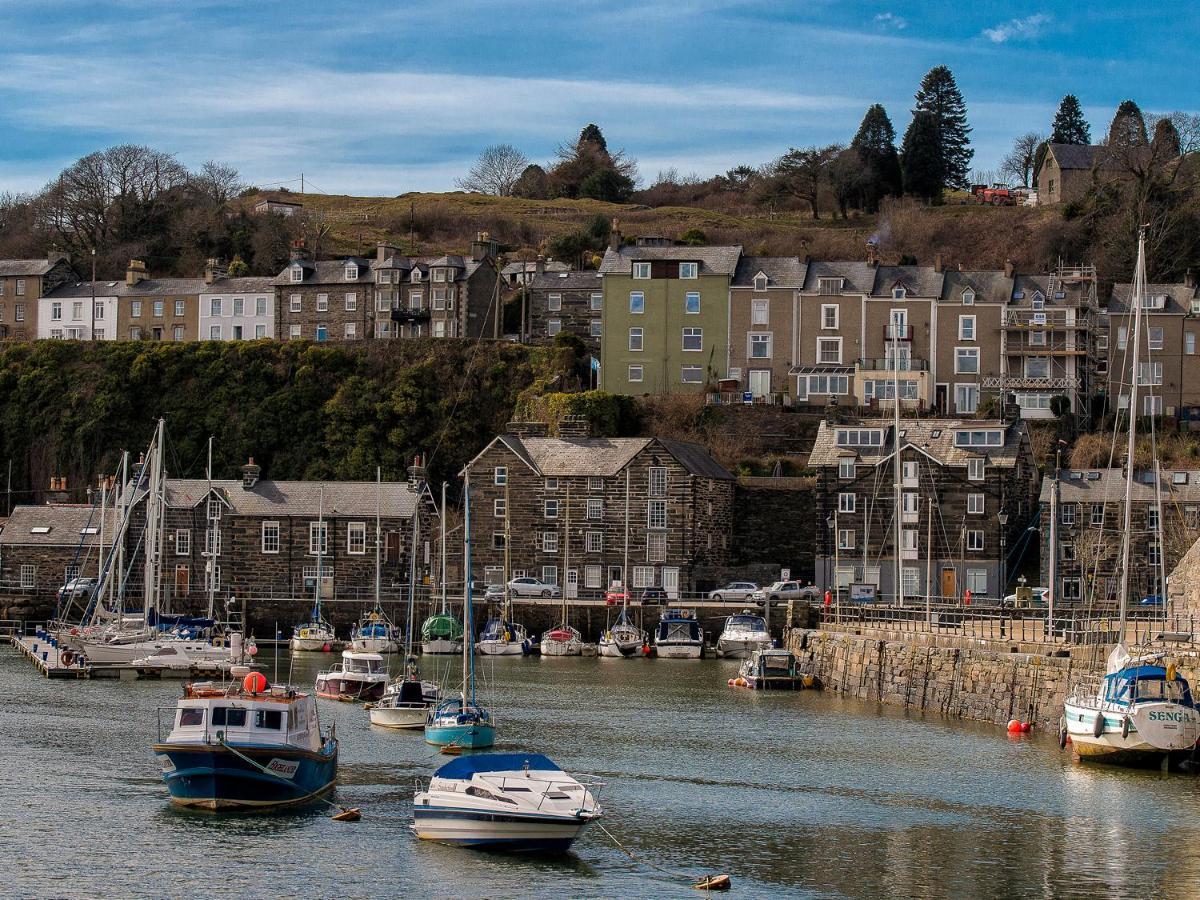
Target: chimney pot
[937,263]
[1189,277]
[135,272]
[539,267]
[250,474]
[614,236]
[1009,268]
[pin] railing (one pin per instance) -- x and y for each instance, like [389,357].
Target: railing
[897,332]
[11,627]
[408,314]
[877,364]
[1020,382]
[1071,317]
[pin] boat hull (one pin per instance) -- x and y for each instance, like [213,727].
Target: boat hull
[501,648]
[475,735]
[213,778]
[1155,731]
[552,647]
[339,687]
[375,645]
[679,651]
[100,653]
[311,645]
[411,717]
[486,830]
[623,649]
[741,648]
[441,647]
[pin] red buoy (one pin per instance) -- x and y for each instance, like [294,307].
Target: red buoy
[252,649]
[1025,727]
[326,648]
[1014,727]
[254,683]
[645,649]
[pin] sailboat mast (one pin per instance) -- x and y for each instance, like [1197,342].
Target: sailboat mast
[103,516]
[412,566]
[625,566]
[468,637]
[896,467]
[566,557]
[443,548]
[1139,290]
[507,577]
[378,532]
[320,553]
[212,529]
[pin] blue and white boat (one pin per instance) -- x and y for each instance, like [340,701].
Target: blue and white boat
[248,746]
[520,802]
[375,634]
[500,637]
[679,635]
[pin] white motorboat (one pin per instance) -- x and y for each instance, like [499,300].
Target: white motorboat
[406,703]
[173,658]
[679,636]
[313,637]
[359,676]
[624,639]
[503,638]
[772,668]
[520,802]
[743,634]
[562,641]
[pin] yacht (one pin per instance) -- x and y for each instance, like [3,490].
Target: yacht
[743,635]
[563,640]
[374,634]
[442,635]
[315,636]
[359,676]
[679,635]
[503,638]
[519,802]
[623,639]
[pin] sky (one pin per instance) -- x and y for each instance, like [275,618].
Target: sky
[401,95]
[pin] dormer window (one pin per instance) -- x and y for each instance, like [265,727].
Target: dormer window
[689,270]
[1038,303]
[1039,297]
[1196,307]
[439,274]
[1018,295]
[968,297]
[297,274]
[641,270]
[898,293]
[351,271]
[383,276]
[415,276]
[829,285]
[760,282]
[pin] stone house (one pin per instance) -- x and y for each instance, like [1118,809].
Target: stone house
[566,301]
[235,309]
[1090,522]
[521,272]
[830,329]
[22,283]
[1170,367]
[325,300]
[763,323]
[1067,172]
[443,297]
[581,511]
[968,490]
[158,309]
[43,547]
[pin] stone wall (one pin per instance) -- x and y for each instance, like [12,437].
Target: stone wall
[774,528]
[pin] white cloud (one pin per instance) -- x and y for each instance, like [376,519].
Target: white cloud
[1017,29]
[891,20]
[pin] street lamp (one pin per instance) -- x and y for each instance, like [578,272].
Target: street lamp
[92,330]
[1002,518]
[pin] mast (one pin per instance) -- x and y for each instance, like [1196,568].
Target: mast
[212,541]
[412,566]
[468,637]
[1139,291]
[103,516]
[443,548]
[320,553]
[507,577]
[566,557]
[898,496]
[625,564]
[378,533]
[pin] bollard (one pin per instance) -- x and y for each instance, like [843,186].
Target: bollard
[45,654]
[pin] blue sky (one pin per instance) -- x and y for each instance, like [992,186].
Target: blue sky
[396,96]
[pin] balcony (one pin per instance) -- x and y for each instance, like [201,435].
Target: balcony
[885,364]
[1071,317]
[898,332]
[1021,383]
[408,314]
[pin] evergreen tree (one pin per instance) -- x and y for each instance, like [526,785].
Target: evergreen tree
[879,164]
[921,158]
[1070,127]
[940,97]
[1166,143]
[1128,128]
[591,134]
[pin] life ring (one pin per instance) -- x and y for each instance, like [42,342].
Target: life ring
[1098,725]
[65,658]
[1062,733]
[1125,728]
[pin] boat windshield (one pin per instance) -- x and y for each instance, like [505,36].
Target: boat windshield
[748,623]
[678,631]
[229,717]
[369,666]
[1146,683]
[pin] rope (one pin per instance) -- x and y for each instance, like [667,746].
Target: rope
[696,881]
[266,771]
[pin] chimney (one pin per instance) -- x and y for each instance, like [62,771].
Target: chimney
[416,474]
[539,267]
[296,253]
[483,247]
[213,270]
[937,263]
[527,429]
[250,473]
[614,236]
[383,251]
[58,489]
[872,254]
[1008,268]
[1189,278]
[135,273]
[575,427]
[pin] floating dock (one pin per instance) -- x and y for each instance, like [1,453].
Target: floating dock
[44,653]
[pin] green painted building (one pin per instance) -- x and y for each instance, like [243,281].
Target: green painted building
[666,317]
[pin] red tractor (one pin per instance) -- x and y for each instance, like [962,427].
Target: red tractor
[996,195]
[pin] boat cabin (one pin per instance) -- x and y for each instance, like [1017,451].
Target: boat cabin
[1146,683]
[280,716]
[746,622]
[362,663]
[679,626]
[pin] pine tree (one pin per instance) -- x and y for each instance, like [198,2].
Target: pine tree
[1166,142]
[875,147]
[1128,128]
[591,134]
[940,97]
[1070,127]
[921,158]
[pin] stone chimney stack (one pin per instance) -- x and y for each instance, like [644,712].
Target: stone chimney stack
[483,247]
[213,270]
[383,251]
[135,273]
[614,236]
[527,429]
[539,267]
[938,265]
[872,254]
[297,252]
[416,474]
[1009,268]
[1189,278]
[575,427]
[250,473]
[58,489]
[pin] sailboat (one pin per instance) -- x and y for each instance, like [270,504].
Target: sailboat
[374,632]
[461,722]
[442,634]
[501,636]
[316,635]
[624,638]
[563,639]
[1141,711]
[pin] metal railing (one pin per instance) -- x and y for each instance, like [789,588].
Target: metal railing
[885,364]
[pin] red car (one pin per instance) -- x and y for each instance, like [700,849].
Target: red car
[615,594]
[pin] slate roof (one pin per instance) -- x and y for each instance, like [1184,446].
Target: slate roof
[1075,156]
[66,523]
[781,271]
[325,271]
[1179,298]
[605,457]
[1109,487]
[919,433]
[466,267]
[298,498]
[149,287]
[529,267]
[713,260]
[245,285]
[990,286]
[567,281]
[20,267]
[859,277]
[919,281]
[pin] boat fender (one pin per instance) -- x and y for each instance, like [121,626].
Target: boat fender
[1125,727]
[808,681]
[326,648]
[730,682]
[1062,733]
[1098,726]
[1170,671]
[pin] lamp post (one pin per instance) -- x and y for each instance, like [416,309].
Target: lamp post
[92,332]
[1002,518]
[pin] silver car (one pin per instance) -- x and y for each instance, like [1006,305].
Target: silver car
[785,590]
[526,586]
[735,590]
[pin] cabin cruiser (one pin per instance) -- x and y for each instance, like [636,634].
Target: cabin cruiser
[503,638]
[246,746]
[624,639]
[520,802]
[679,636]
[406,703]
[562,641]
[173,658]
[743,635]
[771,669]
[359,676]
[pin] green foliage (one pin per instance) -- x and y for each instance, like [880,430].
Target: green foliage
[1070,127]
[940,98]
[879,174]
[609,415]
[238,267]
[1128,127]
[921,159]
[606,184]
[693,237]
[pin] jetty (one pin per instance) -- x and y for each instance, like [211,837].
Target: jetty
[49,658]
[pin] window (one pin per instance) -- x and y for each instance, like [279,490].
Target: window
[135,333]
[56,311]
[845,538]
[641,270]
[975,540]
[975,469]
[1150,373]
[829,316]
[760,346]
[1153,553]
[1155,337]
[977,582]
[975,504]
[688,270]
[158,309]
[760,312]
[635,339]
[183,542]
[908,540]
[214,332]
[846,502]
[691,375]
[500,475]
[643,576]
[966,360]
[551,509]
[966,398]
[294,332]
[595,508]
[216,306]
[356,538]
[20,287]
[595,484]
[1189,342]
[554,302]
[691,302]
[1122,337]
[19,312]
[351,302]
[1151,405]
[1066,515]
[979,438]
[1152,519]
[135,309]
[1097,514]
[656,514]
[656,546]
[760,282]
[637,302]
[596,302]
[635,374]
[270,537]
[595,328]
[260,331]
[498,540]
[295,303]
[297,274]
[845,469]
[351,272]
[826,384]
[592,576]
[859,437]
[693,339]
[968,297]
[594,542]
[268,719]
[966,328]
[549,574]
[415,299]
[829,285]
[657,482]
[553,327]
[899,293]
[322,303]
[829,350]
[318,537]
[212,542]
[549,541]
[551,484]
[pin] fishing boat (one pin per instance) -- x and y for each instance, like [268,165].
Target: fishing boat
[246,746]
[772,669]
[500,637]
[462,722]
[743,635]
[359,676]
[1140,712]
[562,640]
[623,639]
[679,635]
[316,635]
[519,802]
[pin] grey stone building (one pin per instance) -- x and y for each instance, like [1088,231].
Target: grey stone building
[43,547]
[566,302]
[323,300]
[581,511]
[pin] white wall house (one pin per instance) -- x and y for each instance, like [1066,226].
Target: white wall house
[67,316]
[237,309]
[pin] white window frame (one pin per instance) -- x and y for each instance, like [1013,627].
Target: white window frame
[550,509]
[318,538]
[976,504]
[549,541]
[846,469]
[845,539]
[183,542]
[687,303]
[500,475]
[689,270]
[636,336]
[270,537]
[831,315]
[554,302]
[691,375]
[595,509]
[975,540]
[656,514]
[976,468]
[636,374]
[637,303]
[640,270]
[697,334]
[756,339]
[966,328]
[830,341]
[356,538]
[966,353]
[594,542]
[847,502]
[760,312]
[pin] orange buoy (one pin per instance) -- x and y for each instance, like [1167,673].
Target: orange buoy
[254,683]
[252,649]
[1014,727]
[645,649]
[730,682]
[1026,727]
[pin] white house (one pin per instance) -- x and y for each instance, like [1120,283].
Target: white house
[66,312]
[237,309]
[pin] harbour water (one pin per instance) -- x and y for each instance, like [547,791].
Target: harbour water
[801,794]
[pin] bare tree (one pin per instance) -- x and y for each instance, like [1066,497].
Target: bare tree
[496,171]
[802,173]
[1018,165]
[218,183]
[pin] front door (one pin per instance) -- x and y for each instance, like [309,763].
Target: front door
[182,581]
[760,382]
[949,587]
[670,582]
[941,398]
[614,575]
[572,585]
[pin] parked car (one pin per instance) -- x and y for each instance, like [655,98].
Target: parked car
[735,590]
[527,586]
[1152,600]
[785,590]
[615,594]
[1038,599]
[654,595]
[494,592]
[77,589]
